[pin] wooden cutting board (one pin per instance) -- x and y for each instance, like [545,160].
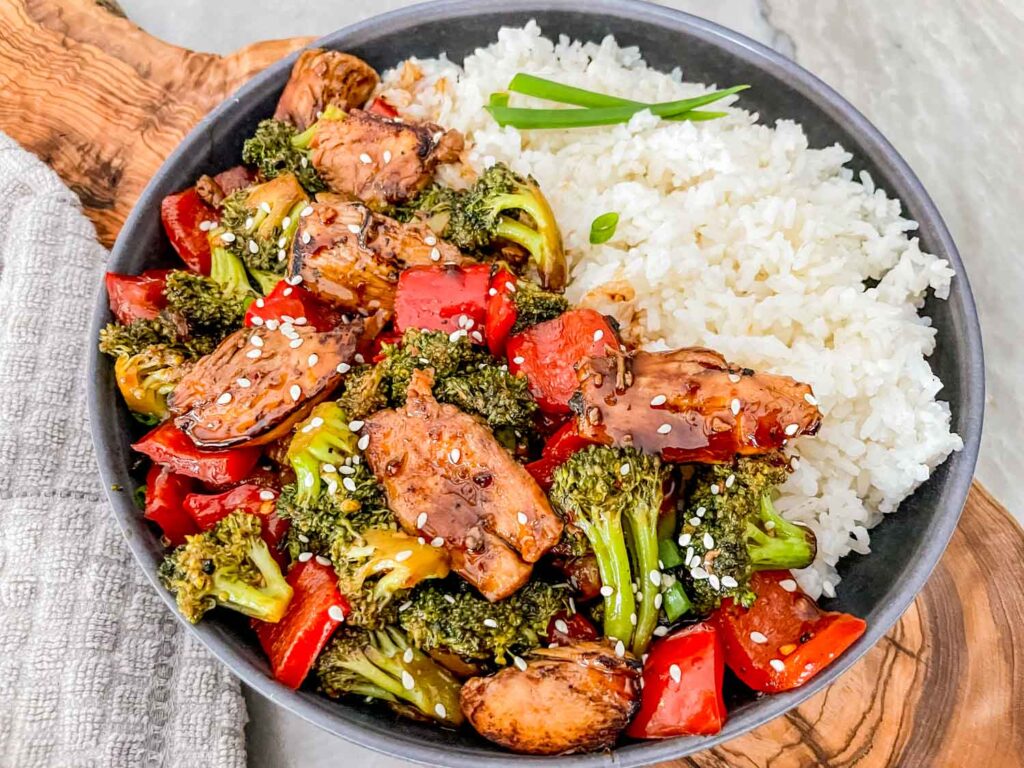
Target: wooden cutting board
[104,103]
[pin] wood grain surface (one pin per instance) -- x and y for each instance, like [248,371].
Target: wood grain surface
[104,103]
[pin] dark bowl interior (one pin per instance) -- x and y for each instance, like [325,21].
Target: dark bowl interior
[906,546]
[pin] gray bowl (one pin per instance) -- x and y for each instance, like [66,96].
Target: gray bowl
[906,546]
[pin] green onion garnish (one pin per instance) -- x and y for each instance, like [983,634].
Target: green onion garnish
[499,99]
[603,227]
[599,109]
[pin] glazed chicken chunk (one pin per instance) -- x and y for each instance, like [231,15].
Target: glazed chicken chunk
[321,78]
[380,160]
[690,405]
[351,257]
[258,383]
[570,699]
[448,480]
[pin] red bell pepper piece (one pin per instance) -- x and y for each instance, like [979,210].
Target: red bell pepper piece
[549,352]
[169,446]
[293,643]
[380,106]
[182,213]
[564,629]
[165,497]
[137,297]
[783,639]
[557,450]
[209,509]
[682,688]
[435,298]
[501,311]
[295,302]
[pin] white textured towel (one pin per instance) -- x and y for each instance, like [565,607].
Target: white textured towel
[94,671]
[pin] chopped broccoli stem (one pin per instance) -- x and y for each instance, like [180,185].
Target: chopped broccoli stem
[384,665]
[775,543]
[231,566]
[228,271]
[146,378]
[319,446]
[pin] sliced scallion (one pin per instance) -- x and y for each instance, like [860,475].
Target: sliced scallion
[603,227]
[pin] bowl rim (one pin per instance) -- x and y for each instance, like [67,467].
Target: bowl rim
[810,87]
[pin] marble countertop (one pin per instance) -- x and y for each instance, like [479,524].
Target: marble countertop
[936,76]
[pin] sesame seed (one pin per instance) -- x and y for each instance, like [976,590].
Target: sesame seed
[281,255]
[454,455]
[607,591]
[657,601]
[285,223]
[658,400]
[660,631]
[522,518]
[708,541]
[735,406]
[620,649]
[632,619]
[734,378]
[300,320]
[624,469]
[408,656]
[440,711]
[228,237]
[694,521]
[256,320]
[282,241]
[402,556]
[685,539]
[788,584]
[519,662]
[336,613]
[714,582]
[598,335]
[729,582]
[358,358]
[308,479]
[364,441]
[701,511]
[313,359]
[306,237]
[206,226]
[387,156]
[224,399]
[572,606]
[518,360]
[249,222]
[408,682]
[328,469]
[265,206]
[664,429]
[405,606]
[272,324]
[316,421]
[561,626]
[294,279]
[730,480]
[349,484]
[437,541]
[365,159]
[253,353]
[435,254]
[303,538]
[254,247]
[343,368]
[689,554]
[305,557]
[295,343]
[655,577]
[791,429]
[355,425]
[811,399]
[323,560]
[355,229]
[256,340]
[675,673]
[699,573]
[346,470]
[492,292]
[305,211]
[778,665]
[267,495]
[295,391]
[758,637]
[421,520]
[715,489]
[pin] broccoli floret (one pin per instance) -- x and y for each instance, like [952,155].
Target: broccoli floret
[278,148]
[730,529]
[535,305]
[452,616]
[321,444]
[384,665]
[378,567]
[364,391]
[135,338]
[231,566]
[493,209]
[146,378]
[614,496]
[503,400]
[426,349]
[207,307]
[263,219]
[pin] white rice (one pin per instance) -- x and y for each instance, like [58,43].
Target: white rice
[735,236]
